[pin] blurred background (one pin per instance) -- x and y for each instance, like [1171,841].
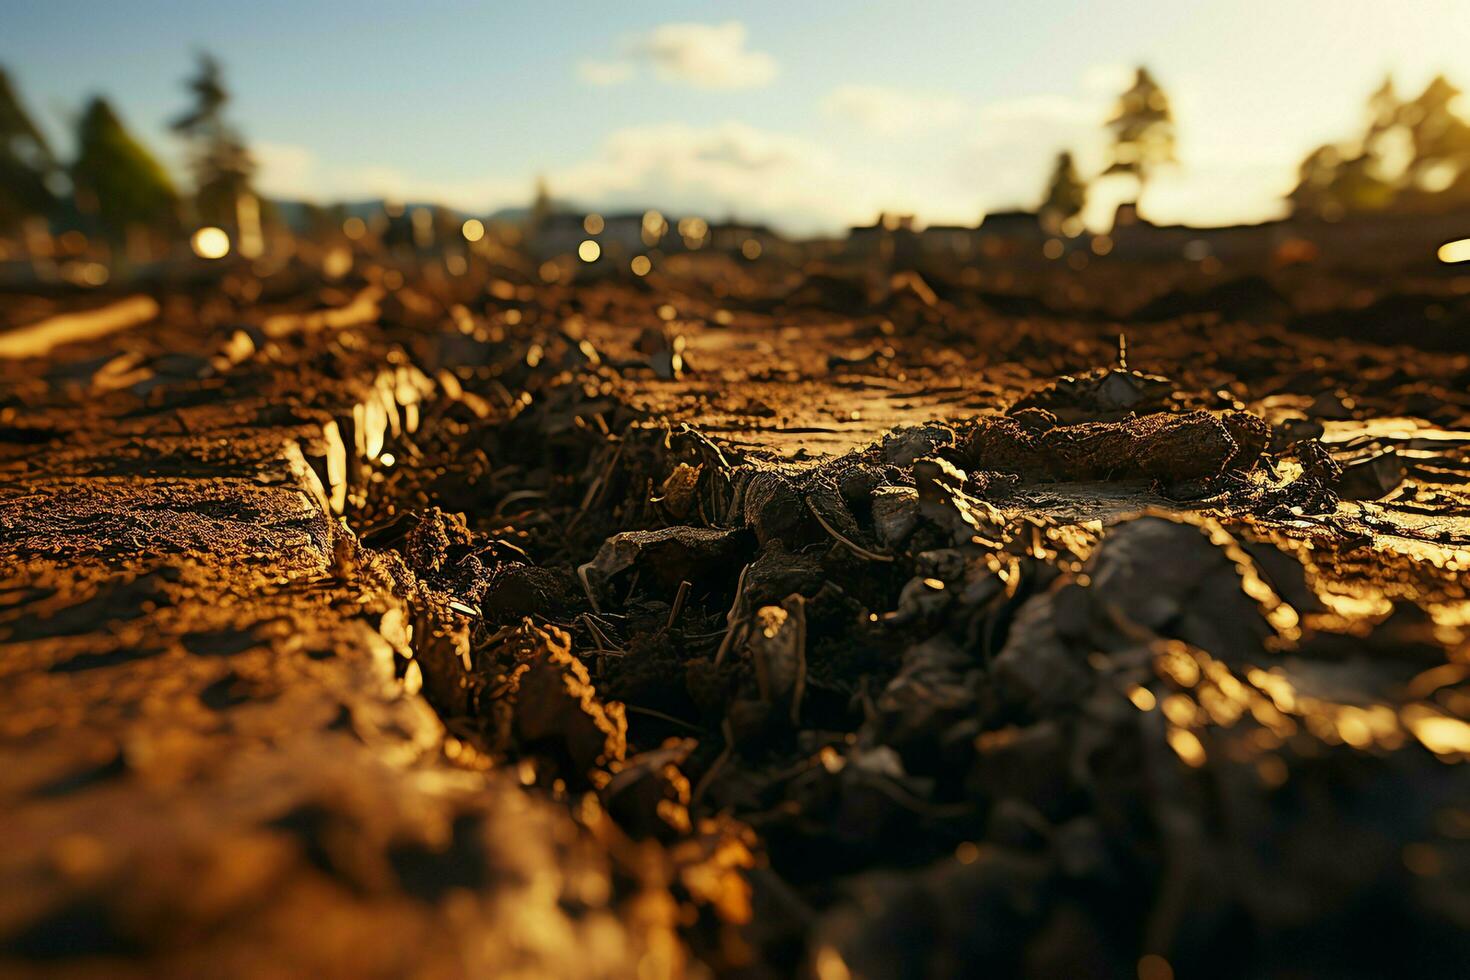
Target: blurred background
[144,139]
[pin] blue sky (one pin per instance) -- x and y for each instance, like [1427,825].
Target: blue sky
[808,113]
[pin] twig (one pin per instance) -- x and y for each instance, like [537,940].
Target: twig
[650,712]
[595,488]
[516,495]
[798,691]
[678,606]
[716,766]
[587,586]
[685,428]
[856,549]
[732,616]
[508,546]
[597,636]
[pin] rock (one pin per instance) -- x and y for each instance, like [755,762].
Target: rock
[776,647]
[895,515]
[930,694]
[648,795]
[517,591]
[556,707]
[1171,579]
[777,573]
[950,919]
[1034,420]
[1037,671]
[669,556]
[679,493]
[1167,447]
[773,507]
[1028,766]
[1251,434]
[427,546]
[904,445]
[1371,478]
[1004,445]
[1191,446]
[1105,393]
[1335,405]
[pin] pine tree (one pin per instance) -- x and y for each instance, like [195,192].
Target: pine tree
[221,164]
[1143,129]
[1384,107]
[1359,185]
[116,179]
[1066,195]
[541,205]
[1412,156]
[1316,180]
[26,161]
[1441,138]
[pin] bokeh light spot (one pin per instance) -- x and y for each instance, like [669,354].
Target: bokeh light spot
[210,243]
[1458,251]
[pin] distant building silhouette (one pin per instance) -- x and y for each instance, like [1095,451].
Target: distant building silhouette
[953,242]
[890,241]
[1373,239]
[1010,234]
[731,236]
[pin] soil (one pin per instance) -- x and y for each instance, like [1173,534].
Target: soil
[741,625]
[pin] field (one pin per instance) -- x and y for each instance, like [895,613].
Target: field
[736,621]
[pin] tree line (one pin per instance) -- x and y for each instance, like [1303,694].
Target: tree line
[114,185]
[1412,156]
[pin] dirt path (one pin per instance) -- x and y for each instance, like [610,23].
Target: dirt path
[583,631]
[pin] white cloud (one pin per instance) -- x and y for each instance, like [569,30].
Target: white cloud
[888,110]
[1015,144]
[728,168]
[1041,110]
[991,156]
[710,170]
[709,56]
[467,193]
[988,157]
[1219,189]
[605,72]
[284,170]
[1109,80]
[791,181]
[295,173]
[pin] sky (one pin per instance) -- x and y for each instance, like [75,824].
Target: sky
[809,114]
